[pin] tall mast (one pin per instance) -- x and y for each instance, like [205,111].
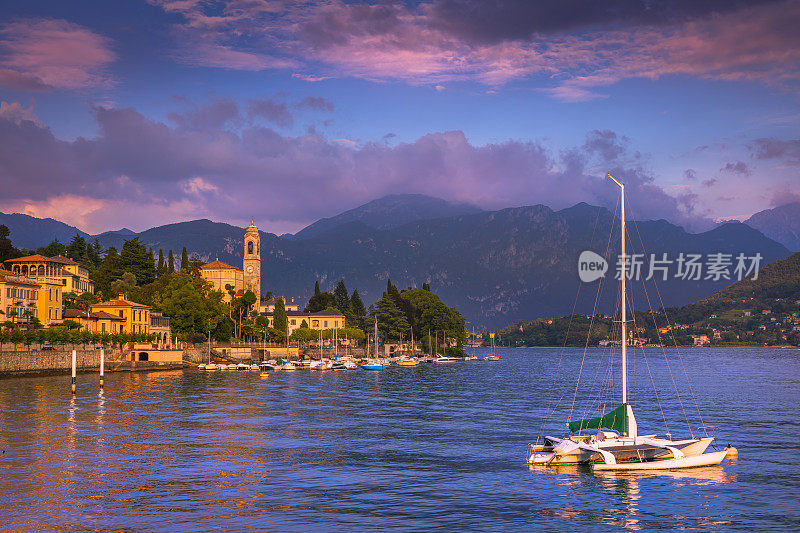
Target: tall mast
[622,281]
[376,337]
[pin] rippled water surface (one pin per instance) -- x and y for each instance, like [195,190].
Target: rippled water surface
[431,447]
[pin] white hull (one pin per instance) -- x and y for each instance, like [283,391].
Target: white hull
[704,459]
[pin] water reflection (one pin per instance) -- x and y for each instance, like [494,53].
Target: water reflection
[400,449]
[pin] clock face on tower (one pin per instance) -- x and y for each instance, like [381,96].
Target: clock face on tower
[250,269]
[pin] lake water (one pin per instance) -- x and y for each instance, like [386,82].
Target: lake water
[411,449]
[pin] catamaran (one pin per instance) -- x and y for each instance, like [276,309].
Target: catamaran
[612,441]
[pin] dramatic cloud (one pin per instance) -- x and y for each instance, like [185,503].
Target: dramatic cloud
[777,149]
[203,166]
[571,47]
[46,53]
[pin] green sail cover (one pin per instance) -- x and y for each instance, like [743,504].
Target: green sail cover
[616,420]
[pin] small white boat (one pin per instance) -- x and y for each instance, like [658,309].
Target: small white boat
[201,366]
[232,366]
[254,367]
[242,367]
[446,359]
[289,366]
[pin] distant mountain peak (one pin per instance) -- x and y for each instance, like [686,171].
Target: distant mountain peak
[389,212]
[781,223]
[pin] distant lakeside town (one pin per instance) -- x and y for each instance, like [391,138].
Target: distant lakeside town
[78,294]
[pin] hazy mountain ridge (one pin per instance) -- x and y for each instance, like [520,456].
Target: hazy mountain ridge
[496,267]
[389,212]
[781,224]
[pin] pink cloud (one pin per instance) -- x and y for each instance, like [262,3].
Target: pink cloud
[421,45]
[53,53]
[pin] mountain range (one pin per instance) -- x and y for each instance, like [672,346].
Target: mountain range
[781,224]
[496,267]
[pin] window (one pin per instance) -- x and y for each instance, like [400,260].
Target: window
[326,323]
[250,247]
[294,321]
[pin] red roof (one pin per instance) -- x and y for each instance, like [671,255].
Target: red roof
[42,259]
[119,302]
[28,258]
[218,265]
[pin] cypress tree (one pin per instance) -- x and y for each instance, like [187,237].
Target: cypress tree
[279,318]
[161,265]
[170,263]
[316,288]
[342,302]
[357,312]
[184,260]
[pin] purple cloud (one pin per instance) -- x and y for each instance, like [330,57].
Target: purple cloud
[51,53]
[317,103]
[275,112]
[583,45]
[777,149]
[737,167]
[200,168]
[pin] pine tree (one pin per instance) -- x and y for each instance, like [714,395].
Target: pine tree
[342,302]
[7,250]
[426,287]
[357,313]
[184,260]
[316,288]
[170,263]
[162,268]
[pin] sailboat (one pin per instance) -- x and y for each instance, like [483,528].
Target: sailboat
[612,441]
[374,364]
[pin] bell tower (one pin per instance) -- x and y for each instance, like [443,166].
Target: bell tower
[252,261]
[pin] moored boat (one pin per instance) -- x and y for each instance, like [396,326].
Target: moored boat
[612,441]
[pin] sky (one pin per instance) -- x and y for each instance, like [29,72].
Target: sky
[141,113]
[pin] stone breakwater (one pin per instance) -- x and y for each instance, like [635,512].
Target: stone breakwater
[60,361]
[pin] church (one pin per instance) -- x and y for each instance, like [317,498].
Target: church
[247,278]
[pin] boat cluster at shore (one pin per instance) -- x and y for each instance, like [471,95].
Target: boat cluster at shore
[346,363]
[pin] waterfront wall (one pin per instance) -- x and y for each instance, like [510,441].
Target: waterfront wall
[18,362]
[60,361]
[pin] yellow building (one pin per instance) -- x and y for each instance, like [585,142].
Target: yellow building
[73,277]
[136,316]
[320,320]
[95,322]
[19,297]
[50,301]
[220,275]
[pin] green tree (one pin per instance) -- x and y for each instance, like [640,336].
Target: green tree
[54,248]
[279,319]
[392,322]
[320,302]
[170,263]
[77,250]
[125,285]
[7,250]
[184,260]
[426,287]
[340,298]
[161,269]
[316,288]
[357,312]
[85,300]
